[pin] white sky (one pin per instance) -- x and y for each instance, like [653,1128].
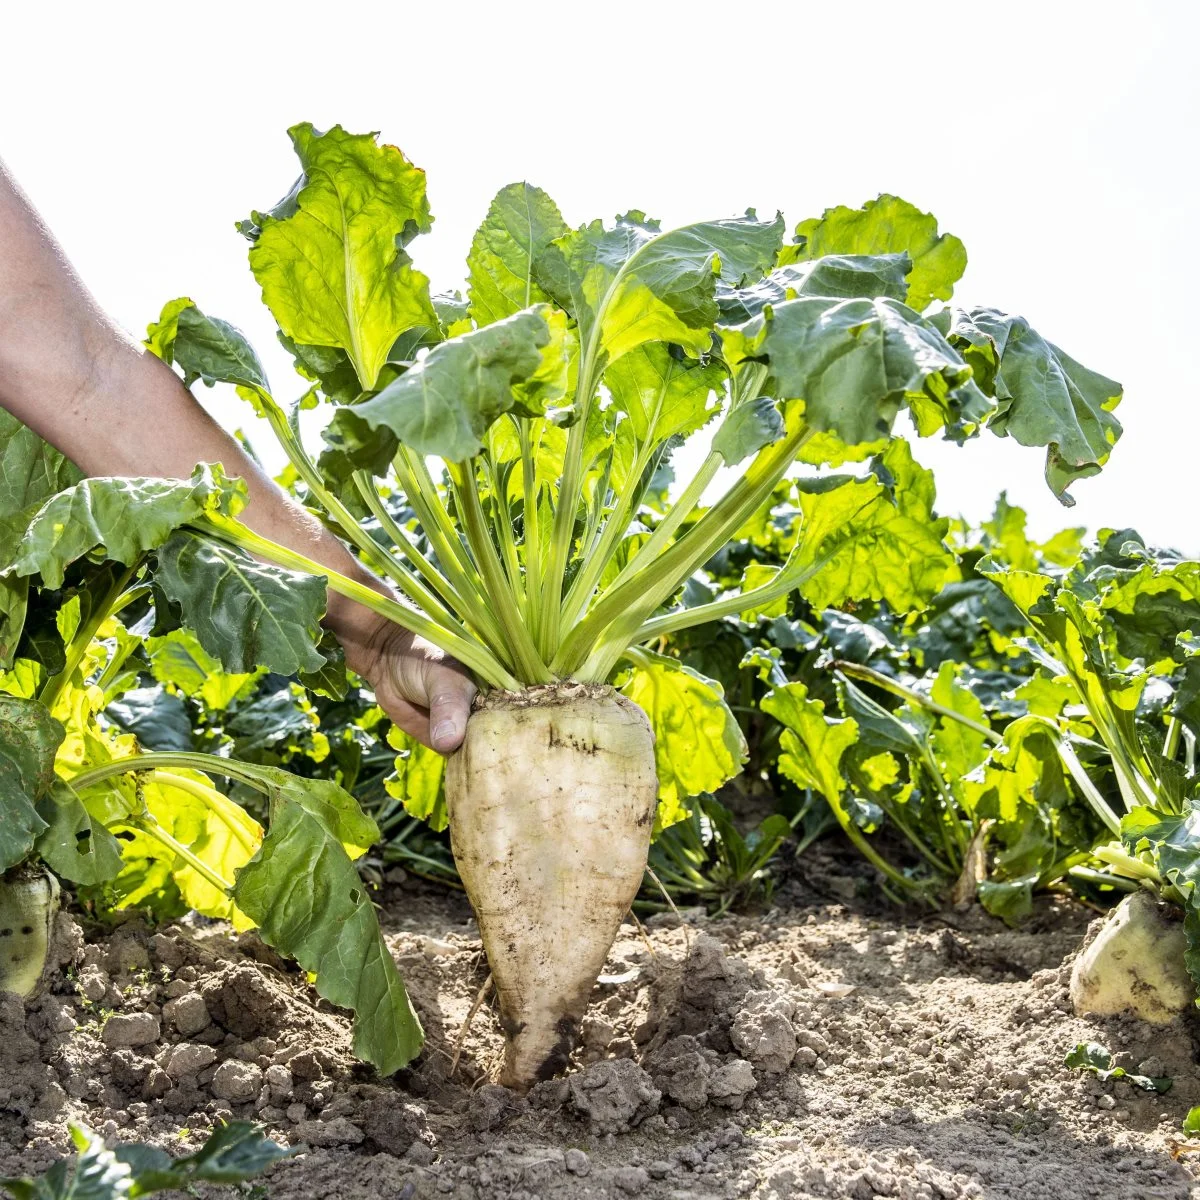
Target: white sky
[1057,139]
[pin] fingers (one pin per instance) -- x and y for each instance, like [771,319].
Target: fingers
[450,693]
[413,719]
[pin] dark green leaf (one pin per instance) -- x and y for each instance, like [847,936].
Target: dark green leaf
[747,429]
[204,348]
[243,612]
[856,363]
[29,739]
[158,719]
[126,516]
[329,925]
[446,402]
[1045,398]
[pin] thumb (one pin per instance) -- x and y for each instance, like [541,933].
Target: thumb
[450,694]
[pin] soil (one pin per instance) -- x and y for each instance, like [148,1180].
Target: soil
[822,1047]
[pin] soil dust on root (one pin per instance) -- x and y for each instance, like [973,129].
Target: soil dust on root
[811,1050]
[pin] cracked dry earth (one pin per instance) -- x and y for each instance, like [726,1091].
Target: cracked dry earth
[814,1049]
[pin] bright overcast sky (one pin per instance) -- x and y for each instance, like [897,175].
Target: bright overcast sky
[1058,140]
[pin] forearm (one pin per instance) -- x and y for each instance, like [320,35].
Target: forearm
[113,408]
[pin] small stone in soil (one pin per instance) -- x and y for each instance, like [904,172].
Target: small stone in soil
[237,1082]
[630,1180]
[189,1059]
[577,1162]
[279,1080]
[189,1013]
[131,1029]
[420,1154]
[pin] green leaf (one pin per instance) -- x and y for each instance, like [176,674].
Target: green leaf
[664,393]
[901,732]
[698,745]
[1150,608]
[1173,840]
[747,429]
[328,925]
[958,748]
[887,225]
[95,1173]
[1091,1056]
[861,540]
[159,719]
[331,259]
[845,276]
[31,471]
[178,660]
[126,516]
[1044,397]
[1011,900]
[521,223]
[233,1153]
[446,402]
[244,613]
[14,607]
[29,740]
[856,363]
[73,845]
[811,746]
[419,779]
[204,347]
[643,285]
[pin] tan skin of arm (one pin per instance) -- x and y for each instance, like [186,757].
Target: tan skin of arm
[69,373]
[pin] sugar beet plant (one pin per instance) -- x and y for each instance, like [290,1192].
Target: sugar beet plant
[549,399]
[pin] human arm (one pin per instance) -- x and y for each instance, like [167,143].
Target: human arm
[74,377]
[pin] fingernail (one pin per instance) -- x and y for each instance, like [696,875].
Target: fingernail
[445,732]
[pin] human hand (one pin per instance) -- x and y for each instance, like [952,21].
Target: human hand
[424,691]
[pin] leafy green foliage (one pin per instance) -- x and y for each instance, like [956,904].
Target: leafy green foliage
[329,925]
[445,404]
[887,225]
[244,613]
[125,516]
[521,223]
[204,348]
[634,283]
[1044,397]
[1090,1056]
[29,738]
[706,857]
[856,363]
[697,742]
[234,1152]
[330,257]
